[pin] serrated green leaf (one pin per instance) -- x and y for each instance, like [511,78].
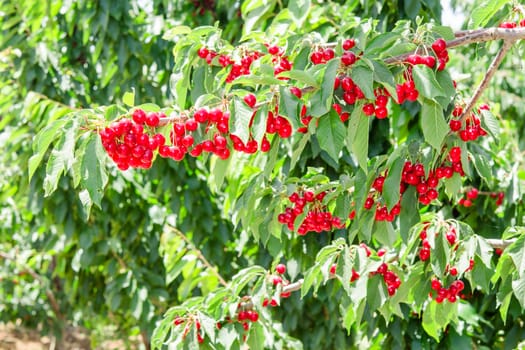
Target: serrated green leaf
[391,192]
[426,82]
[240,118]
[381,42]
[518,287]
[363,77]
[483,13]
[42,141]
[177,30]
[61,158]
[331,134]
[433,124]
[490,123]
[93,172]
[357,139]
[327,83]
[254,80]
[299,11]
[288,106]
[300,76]
[256,338]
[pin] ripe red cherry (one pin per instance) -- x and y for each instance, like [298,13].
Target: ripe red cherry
[203,52]
[296,91]
[368,109]
[152,119]
[250,100]
[273,50]
[348,44]
[280,269]
[435,284]
[265,145]
[328,54]
[473,193]
[439,45]
[348,58]
[453,271]
[139,116]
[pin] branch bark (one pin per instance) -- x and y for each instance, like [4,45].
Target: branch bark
[507,44]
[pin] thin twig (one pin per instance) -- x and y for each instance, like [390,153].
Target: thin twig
[49,293]
[200,256]
[507,44]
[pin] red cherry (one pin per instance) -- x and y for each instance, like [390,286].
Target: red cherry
[439,45]
[348,58]
[280,269]
[203,52]
[453,271]
[139,116]
[273,50]
[348,44]
[473,193]
[250,100]
[435,284]
[152,119]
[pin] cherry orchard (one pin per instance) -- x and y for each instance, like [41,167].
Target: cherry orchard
[265,112]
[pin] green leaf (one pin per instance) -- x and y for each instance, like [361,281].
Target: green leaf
[244,276]
[517,252]
[381,42]
[301,76]
[484,12]
[61,158]
[254,80]
[482,166]
[240,118]
[363,76]
[256,338]
[288,106]
[490,123]
[437,316]
[426,83]
[129,98]
[93,175]
[433,123]
[357,139]
[391,186]
[518,286]
[299,10]
[42,142]
[177,30]
[331,134]
[321,100]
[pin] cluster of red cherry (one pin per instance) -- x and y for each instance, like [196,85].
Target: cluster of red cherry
[471,129]
[510,25]
[131,142]
[318,217]
[190,321]
[276,280]
[473,193]
[391,279]
[451,293]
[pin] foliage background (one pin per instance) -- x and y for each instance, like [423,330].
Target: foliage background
[120,267]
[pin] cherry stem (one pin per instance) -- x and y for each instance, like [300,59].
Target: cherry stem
[200,256]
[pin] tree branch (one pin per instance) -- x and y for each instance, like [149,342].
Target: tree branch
[49,293]
[507,44]
[200,256]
